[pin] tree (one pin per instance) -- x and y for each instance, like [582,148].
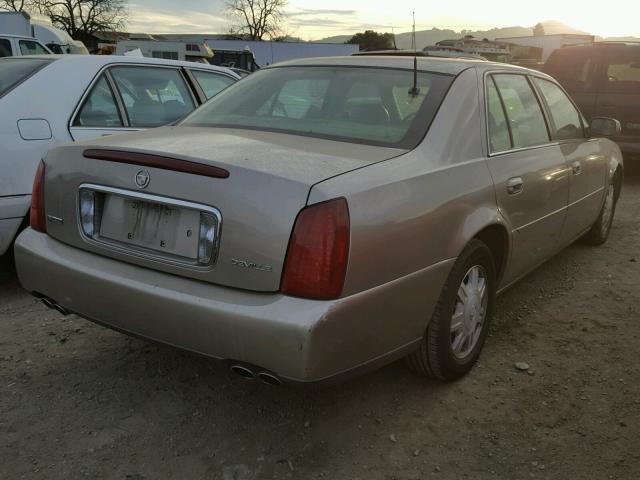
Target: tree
[257,19]
[538,30]
[83,18]
[16,5]
[370,40]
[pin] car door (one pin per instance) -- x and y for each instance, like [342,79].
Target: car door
[133,97]
[619,95]
[100,112]
[587,166]
[529,171]
[209,83]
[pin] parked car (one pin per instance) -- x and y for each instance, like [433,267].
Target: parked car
[604,80]
[324,217]
[101,96]
[25,34]
[16,46]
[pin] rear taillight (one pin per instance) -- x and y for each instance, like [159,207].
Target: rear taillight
[316,261]
[36,216]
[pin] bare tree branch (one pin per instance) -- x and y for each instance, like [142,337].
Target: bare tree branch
[257,18]
[82,18]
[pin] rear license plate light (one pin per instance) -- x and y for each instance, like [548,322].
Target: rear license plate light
[159,228]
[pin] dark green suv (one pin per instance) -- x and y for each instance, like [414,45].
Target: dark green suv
[604,80]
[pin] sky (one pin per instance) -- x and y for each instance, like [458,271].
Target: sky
[342,17]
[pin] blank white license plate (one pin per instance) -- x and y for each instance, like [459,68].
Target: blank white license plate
[170,230]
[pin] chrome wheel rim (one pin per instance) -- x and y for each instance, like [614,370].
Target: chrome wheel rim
[469,312]
[607,210]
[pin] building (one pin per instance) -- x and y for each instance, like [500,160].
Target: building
[267,53]
[549,43]
[494,51]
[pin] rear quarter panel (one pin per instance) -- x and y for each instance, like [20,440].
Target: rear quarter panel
[421,208]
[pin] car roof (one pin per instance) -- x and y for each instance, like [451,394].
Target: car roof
[449,66]
[99,61]
[21,37]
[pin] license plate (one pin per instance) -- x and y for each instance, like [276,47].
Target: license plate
[161,228]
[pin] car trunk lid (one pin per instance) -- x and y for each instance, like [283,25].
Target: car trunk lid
[156,222]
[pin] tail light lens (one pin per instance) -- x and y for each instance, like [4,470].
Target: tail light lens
[316,261]
[36,215]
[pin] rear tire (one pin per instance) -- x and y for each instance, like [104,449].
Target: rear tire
[460,322]
[600,230]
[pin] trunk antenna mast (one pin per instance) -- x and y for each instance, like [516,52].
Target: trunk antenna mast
[414,91]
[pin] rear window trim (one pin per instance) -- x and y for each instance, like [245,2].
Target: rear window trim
[45,63]
[403,144]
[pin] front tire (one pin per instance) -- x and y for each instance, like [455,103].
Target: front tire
[460,322]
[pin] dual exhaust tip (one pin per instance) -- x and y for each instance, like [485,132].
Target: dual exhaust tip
[246,372]
[55,306]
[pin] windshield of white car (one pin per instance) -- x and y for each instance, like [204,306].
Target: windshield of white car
[354,104]
[14,71]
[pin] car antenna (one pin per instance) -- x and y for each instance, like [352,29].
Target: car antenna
[414,91]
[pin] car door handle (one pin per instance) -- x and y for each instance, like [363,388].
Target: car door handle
[576,167]
[515,186]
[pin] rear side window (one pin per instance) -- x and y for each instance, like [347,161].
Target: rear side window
[211,83]
[99,109]
[5,48]
[152,96]
[29,47]
[574,68]
[499,139]
[14,71]
[526,120]
[564,114]
[623,70]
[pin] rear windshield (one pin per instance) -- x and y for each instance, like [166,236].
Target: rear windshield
[14,71]
[360,105]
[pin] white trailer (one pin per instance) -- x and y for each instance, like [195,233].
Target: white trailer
[15,23]
[186,51]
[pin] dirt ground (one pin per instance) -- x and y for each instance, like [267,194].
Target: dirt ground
[81,401]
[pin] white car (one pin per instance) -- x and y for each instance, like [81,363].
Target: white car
[16,46]
[54,99]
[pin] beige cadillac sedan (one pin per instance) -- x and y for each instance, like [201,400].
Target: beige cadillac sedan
[324,217]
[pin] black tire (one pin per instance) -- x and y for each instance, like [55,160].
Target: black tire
[601,229]
[435,358]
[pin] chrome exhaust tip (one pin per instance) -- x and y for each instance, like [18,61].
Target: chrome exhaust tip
[269,379]
[47,302]
[243,372]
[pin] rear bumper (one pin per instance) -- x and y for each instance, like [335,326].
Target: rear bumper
[299,340]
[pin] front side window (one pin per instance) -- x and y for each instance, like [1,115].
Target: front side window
[499,138]
[360,105]
[5,48]
[526,120]
[99,110]
[564,114]
[152,96]
[623,70]
[211,83]
[29,47]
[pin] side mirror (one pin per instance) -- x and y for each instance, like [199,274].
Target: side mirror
[605,127]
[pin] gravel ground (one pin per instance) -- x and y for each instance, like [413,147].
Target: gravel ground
[81,401]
